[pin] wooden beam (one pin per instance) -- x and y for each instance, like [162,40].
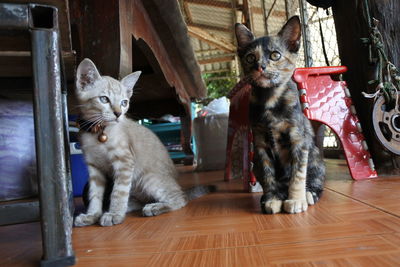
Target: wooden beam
[257,10]
[216,58]
[210,27]
[235,66]
[248,20]
[212,3]
[275,13]
[216,71]
[209,38]
[186,9]
[200,52]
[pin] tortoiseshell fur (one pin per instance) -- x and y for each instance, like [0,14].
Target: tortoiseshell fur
[286,161]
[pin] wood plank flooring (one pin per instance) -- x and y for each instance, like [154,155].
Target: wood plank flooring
[354,224]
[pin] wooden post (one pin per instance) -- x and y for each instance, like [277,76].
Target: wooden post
[248,20]
[351,25]
[235,66]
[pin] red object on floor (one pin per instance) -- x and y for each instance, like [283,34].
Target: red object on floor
[324,100]
[239,125]
[329,102]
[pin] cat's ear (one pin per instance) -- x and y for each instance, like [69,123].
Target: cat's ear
[130,80]
[291,33]
[243,35]
[86,74]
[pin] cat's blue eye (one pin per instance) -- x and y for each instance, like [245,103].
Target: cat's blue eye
[124,103]
[250,58]
[275,56]
[104,99]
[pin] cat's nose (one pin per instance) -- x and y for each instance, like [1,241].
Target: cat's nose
[117,114]
[262,67]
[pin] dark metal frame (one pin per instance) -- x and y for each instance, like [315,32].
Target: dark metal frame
[52,154]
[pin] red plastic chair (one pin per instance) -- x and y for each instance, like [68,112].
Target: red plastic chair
[239,125]
[323,99]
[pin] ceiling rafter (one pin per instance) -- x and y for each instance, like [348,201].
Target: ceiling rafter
[275,13]
[186,9]
[216,58]
[211,39]
[210,27]
[213,3]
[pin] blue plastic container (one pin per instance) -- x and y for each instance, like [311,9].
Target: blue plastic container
[79,169]
[169,134]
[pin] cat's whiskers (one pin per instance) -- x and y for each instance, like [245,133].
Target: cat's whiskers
[266,78]
[91,120]
[99,121]
[85,123]
[93,123]
[109,118]
[271,73]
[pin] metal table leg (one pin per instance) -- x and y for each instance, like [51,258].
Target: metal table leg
[51,150]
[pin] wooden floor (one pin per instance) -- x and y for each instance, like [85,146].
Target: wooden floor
[354,224]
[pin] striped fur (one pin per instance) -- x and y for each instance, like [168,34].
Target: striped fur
[142,174]
[286,161]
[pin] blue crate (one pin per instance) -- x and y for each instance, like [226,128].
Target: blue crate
[79,171]
[169,134]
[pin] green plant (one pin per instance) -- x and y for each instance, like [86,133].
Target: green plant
[219,83]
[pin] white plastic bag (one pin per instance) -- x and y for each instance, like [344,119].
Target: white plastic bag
[217,106]
[210,132]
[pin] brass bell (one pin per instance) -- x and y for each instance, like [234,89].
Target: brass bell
[103,138]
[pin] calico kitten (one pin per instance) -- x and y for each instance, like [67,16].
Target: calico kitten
[143,175]
[287,163]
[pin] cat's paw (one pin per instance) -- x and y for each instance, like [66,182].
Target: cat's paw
[272,206]
[84,219]
[295,205]
[311,198]
[110,219]
[153,209]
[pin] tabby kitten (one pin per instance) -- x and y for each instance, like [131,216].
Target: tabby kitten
[287,163]
[143,175]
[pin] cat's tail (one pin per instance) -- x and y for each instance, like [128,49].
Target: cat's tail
[199,191]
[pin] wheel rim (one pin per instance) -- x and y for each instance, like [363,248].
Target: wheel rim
[386,122]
